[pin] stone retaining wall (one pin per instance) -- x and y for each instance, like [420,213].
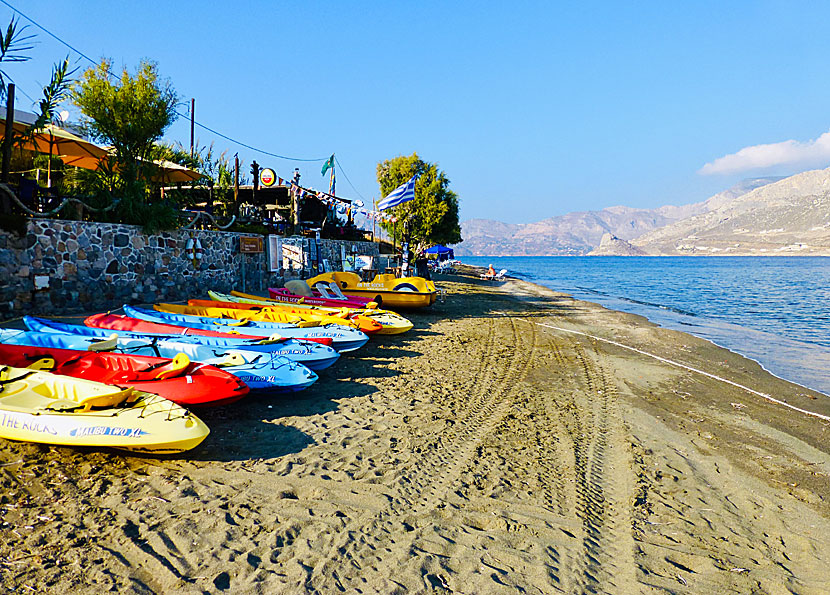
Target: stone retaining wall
[74,266]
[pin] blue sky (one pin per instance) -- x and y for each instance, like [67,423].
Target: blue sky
[533,109]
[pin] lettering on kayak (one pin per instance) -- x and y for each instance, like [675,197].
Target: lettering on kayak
[8,420]
[107,431]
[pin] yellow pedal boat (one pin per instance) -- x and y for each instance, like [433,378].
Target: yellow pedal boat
[392,323]
[48,408]
[387,290]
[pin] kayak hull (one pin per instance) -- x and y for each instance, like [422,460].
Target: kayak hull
[313,355]
[260,371]
[282,295]
[342,338]
[193,385]
[390,322]
[344,315]
[149,423]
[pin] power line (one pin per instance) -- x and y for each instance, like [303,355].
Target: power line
[49,33]
[19,88]
[241,144]
[343,171]
[80,53]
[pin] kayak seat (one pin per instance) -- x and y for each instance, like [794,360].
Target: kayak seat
[177,367]
[65,394]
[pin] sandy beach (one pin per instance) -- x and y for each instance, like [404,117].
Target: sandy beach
[515,441]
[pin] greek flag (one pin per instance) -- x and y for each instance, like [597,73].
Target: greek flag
[399,195]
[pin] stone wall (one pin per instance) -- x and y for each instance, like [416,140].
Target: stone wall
[76,266]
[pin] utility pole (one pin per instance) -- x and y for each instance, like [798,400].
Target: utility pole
[192,122]
[295,199]
[7,139]
[236,183]
[375,205]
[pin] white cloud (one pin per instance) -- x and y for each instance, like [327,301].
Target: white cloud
[789,152]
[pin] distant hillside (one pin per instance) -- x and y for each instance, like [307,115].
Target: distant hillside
[580,232]
[791,216]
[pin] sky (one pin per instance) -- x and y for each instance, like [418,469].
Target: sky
[532,108]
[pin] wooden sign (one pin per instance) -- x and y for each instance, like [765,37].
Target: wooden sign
[250,245]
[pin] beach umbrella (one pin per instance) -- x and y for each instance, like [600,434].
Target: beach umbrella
[170,173]
[53,140]
[77,152]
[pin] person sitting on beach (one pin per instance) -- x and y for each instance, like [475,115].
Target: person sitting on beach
[490,274]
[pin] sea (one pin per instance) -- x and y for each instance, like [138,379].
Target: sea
[775,310]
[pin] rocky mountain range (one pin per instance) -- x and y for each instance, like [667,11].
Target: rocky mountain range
[632,231]
[788,217]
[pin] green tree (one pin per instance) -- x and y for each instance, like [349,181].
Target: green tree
[432,217]
[130,115]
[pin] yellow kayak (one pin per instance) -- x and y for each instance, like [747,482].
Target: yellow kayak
[388,290]
[391,322]
[221,309]
[48,408]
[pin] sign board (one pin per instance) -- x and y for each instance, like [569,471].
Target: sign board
[250,244]
[362,262]
[274,253]
[292,257]
[267,177]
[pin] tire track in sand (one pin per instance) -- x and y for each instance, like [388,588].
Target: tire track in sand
[423,486]
[605,561]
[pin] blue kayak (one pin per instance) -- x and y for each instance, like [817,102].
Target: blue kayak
[343,338]
[313,355]
[260,371]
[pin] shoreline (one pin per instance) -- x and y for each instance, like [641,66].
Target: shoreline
[476,453]
[783,359]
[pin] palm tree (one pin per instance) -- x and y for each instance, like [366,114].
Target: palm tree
[13,47]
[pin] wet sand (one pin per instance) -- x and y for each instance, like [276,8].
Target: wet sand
[482,452]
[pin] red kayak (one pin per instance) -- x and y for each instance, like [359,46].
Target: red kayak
[120,322]
[179,380]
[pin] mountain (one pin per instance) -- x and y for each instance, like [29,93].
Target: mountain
[579,233]
[787,217]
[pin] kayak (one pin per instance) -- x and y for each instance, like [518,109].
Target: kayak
[391,322]
[362,316]
[121,322]
[387,290]
[52,409]
[281,294]
[177,379]
[260,371]
[343,338]
[314,355]
[261,312]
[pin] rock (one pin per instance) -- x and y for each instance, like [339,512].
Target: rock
[610,245]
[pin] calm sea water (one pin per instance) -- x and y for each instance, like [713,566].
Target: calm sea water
[773,310]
